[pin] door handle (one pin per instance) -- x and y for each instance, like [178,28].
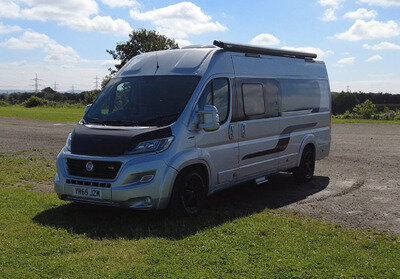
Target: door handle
[243,130]
[231,135]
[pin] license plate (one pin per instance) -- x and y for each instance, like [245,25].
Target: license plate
[87,193]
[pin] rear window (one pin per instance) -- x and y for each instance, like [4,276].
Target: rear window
[298,95]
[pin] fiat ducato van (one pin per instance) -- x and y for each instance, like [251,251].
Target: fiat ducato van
[175,126]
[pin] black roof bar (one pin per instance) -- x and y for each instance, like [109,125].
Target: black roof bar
[262,50]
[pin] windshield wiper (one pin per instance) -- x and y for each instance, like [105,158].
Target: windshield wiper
[93,121]
[120,122]
[160,117]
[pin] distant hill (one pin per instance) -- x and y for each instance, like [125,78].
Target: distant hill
[14,91]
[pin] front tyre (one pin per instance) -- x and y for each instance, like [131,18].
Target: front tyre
[189,193]
[305,172]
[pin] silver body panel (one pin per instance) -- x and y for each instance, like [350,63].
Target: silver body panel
[240,150]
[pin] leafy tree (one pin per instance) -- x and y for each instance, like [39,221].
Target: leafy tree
[105,80]
[343,101]
[48,90]
[140,41]
[90,96]
[366,110]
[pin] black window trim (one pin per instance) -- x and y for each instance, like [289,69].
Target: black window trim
[212,95]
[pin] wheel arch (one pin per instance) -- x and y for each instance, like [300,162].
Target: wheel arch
[307,140]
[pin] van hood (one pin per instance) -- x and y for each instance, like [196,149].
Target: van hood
[112,141]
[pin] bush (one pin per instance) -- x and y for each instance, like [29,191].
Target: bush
[388,115]
[34,101]
[4,104]
[365,110]
[397,116]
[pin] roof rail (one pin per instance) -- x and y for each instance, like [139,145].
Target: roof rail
[262,50]
[198,46]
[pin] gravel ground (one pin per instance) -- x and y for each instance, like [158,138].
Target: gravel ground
[357,185]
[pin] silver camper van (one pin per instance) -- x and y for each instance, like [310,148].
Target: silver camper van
[175,126]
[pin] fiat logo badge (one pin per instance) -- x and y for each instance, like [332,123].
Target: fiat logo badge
[89,166]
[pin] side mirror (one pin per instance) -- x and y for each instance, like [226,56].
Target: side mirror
[87,108]
[208,118]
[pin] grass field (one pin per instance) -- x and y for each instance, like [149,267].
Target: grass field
[344,121]
[75,114]
[59,114]
[42,236]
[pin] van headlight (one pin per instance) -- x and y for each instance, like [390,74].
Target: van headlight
[68,143]
[156,145]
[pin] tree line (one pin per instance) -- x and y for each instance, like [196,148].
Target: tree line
[345,101]
[48,97]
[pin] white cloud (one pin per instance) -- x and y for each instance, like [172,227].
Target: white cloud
[265,39]
[383,84]
[320,53]
[363,30]
[59,10]
[78,14]
[361,14]
[110,63]
[9,9]
[59,52]
[179,20]
[374,58]
[17,63]
[28,40]
[346,61]
[6,29]
[18,75]
[120,3]
[329,15]
[102,24]
[382,46]
[183,43]
[383,3]
[31,40]
[332,3]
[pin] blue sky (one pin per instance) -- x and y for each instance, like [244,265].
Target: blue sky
[66,41]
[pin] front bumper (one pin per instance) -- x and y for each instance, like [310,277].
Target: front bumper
[121,191]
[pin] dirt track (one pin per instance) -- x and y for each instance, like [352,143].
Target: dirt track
[358,185]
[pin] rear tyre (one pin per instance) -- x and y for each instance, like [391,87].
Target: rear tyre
[189,193]
[305,172]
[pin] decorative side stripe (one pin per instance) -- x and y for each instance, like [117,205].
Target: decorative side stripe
[283,141]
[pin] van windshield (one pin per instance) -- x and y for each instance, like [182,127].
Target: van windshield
[142,101]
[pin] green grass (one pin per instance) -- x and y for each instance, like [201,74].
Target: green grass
[344,121]
[60,114]
[74,114]
[237,236]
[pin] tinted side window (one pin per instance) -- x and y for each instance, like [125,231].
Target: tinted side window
[324,104]
[216,93]
[300,95]
[253,99]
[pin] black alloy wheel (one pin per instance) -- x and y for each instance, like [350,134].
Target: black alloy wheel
[305,172]
[189,193]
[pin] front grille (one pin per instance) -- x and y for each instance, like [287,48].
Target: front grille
[101,169]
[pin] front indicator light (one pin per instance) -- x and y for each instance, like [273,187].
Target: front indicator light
[137,178]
